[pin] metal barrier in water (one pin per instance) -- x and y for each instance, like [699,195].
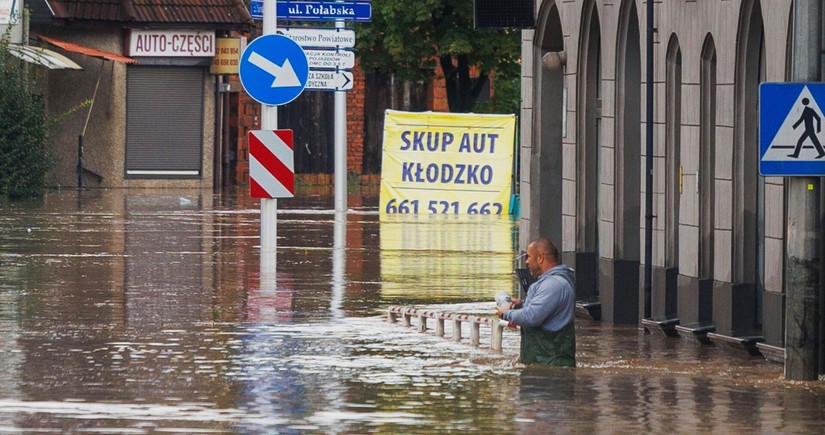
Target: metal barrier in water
[407,313]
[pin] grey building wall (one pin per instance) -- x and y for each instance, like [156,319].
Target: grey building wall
[105,136]
[691,23]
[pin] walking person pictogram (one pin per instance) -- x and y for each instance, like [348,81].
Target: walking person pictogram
[808,115]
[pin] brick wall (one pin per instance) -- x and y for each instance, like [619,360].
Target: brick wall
[438,97]
[249,112]
[355,123]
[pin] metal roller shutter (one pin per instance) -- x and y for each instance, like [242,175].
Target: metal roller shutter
[164,122]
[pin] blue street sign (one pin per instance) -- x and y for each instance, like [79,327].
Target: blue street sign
[358,10]
[791,125]
[256,9]
[273,70]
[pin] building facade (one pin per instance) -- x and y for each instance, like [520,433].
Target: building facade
[144,111]
[718,226]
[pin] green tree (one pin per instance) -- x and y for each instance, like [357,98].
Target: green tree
[25,142]
[407,38]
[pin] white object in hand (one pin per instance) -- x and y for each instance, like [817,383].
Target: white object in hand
[502,298]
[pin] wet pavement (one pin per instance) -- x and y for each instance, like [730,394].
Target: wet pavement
[146,312]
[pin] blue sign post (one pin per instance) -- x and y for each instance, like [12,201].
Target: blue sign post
[274,70]
[791,124]
[348,10]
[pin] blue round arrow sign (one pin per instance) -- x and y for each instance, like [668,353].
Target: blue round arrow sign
[274,70]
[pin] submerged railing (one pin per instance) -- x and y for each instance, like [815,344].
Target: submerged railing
[407,313]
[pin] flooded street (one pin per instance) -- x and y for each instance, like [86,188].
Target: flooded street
[145,311]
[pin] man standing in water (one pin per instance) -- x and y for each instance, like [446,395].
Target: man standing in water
[546,314]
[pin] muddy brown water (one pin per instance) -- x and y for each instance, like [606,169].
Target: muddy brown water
[145,311]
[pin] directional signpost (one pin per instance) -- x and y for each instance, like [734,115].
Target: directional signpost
[329,59]
[330,80]
[326,49]
[330,37]
[273,70]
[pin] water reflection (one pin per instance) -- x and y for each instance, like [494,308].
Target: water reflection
[446,257]
[139,312]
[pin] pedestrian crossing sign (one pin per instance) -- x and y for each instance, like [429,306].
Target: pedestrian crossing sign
[791,129]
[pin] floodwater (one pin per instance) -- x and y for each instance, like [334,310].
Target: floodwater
[147,312]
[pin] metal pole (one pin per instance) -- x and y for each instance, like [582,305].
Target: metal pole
[85,126]
[80,162]
[802,271]
[339,264]
[269,121]
[217,167]
[340,145]
[649,164]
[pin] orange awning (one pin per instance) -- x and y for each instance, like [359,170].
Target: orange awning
[88,51]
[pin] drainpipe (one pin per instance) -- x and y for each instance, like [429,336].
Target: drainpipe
[803,252]
[649,164]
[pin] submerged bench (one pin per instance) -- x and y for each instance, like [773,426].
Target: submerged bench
[661,325]
[745,342]
[696,332]
[771,353]
[407,313]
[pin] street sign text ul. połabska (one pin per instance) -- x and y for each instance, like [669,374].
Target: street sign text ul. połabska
[358,11]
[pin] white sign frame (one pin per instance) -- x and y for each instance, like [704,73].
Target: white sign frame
[320,58]
[315,37]
[329,80]
[172,43]
[10,11]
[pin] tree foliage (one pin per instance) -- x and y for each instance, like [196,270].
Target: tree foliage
[25,142]
[407,38]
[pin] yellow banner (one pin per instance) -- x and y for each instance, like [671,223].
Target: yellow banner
[447,163]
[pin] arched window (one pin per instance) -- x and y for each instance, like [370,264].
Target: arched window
[628,136]
[707,157]
[673,133]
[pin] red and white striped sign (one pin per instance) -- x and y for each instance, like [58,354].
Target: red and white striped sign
[271,164]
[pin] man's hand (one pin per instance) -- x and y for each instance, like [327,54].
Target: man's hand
[504,309]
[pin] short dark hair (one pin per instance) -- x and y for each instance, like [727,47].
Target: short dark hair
[547,247]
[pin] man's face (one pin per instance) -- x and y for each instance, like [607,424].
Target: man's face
[532,260]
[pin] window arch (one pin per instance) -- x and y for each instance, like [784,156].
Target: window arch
[673,149]
[588,116]
[707,157]
[628,136]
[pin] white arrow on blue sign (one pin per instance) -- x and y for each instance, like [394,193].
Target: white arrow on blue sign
[273,70]
[791,129]
[358,11]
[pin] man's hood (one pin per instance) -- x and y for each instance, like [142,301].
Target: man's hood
[565,272]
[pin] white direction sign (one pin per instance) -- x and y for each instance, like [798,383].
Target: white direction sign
[331,59]
[329,80]
[320,37]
